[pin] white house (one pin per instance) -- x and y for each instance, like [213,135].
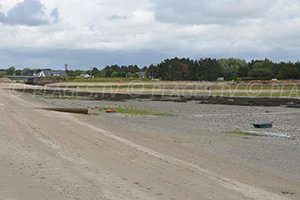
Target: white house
[48,73]
[84,75]
[220,79]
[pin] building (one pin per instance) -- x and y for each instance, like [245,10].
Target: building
[84,75]
[49,73]
[221,79]
[141,74]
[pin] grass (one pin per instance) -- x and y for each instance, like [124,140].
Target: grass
[65,97]
[258,94]
[106,79]
[182,87]
[257,87]
[240,133]
[225,93]
[290,91]
[129,111]
[114,87]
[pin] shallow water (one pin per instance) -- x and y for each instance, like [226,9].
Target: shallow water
[270,134]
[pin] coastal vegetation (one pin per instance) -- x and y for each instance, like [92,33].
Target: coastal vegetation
[181,69]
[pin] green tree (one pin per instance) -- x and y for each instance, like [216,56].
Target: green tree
[115,74]
[74,73]
[94,71]
[242,71]
[210,69]
[261,73]
[289,72]
[10,71]
[18,72]
[231,67]
[27,72]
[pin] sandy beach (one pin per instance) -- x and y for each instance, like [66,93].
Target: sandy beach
[185,154]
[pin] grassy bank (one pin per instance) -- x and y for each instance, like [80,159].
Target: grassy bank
[130,111]
[110,80]
[240,133]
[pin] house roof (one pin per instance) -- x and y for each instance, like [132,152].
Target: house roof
[54,72]
[83,74]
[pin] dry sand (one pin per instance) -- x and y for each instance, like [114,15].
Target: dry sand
[51,155]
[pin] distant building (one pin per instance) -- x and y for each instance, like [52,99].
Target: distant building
[66,67]
[141,74]
[220,79]
[84,75]
[49,73]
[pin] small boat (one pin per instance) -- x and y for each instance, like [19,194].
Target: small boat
[263,125]
[111,111]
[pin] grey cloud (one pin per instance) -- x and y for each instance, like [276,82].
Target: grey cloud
[76,58]
[55,15]
[29,13]
[2,17]
[209,11]
[85,59]
[117,17]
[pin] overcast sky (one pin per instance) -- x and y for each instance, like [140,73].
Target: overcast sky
[95,33]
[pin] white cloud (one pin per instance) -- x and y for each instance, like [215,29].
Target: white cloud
[209,11]
[191,28]
[29,13]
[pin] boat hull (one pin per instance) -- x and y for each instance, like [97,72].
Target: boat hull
[266,125]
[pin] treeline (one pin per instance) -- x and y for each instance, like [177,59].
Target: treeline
[185,69]
[209,69]
[206,69]
[13,71]
[111,71]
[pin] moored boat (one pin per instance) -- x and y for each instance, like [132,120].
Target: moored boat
[263,125]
